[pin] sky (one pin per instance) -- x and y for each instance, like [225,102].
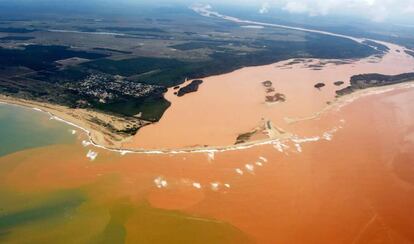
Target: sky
[373,10]
[377,10]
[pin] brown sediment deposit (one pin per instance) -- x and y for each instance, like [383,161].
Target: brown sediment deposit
[277,97]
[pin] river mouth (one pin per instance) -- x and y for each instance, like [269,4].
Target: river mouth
[232,105]
[305,171]
[241,104]
[298,190]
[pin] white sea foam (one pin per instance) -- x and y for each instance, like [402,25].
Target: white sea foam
[239,171]
[249,167]
[327,136]
[86,143]
[263,159]
[278,145]
[215,186]
[92,155]
[196,185]
[210,155]
[160,182]
[298,147]
[305,139]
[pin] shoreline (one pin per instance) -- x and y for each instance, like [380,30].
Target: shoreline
[344,100]
[95,136]
[105,131]
[78,118]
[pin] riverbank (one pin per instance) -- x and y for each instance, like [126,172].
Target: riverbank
[104,139]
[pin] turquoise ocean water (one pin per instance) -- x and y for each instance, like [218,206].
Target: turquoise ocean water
[24,128]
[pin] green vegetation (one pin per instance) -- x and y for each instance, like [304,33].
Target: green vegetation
[39,57]
[169,72]
[245,137]
[319,85]
[192,87]
[16,30]
[16,38]
[151,107]
[212,44]
[409,52]
[132,63]
[377,45]
[134,29]
[359,82]
[111,50]
[135,66]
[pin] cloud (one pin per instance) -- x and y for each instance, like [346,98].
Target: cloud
[264,8]
[296,7]
[376,10]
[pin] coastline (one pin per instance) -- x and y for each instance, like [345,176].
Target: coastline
[103,139]
[79,118]
[344,100]
[105,131]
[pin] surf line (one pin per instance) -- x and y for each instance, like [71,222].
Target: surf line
[217,149]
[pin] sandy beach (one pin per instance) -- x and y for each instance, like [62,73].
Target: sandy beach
[82,119]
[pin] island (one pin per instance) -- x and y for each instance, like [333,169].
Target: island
[338,83]
[363,81]
[192,87]
[319,85]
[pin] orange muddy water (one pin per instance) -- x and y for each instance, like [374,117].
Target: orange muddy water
[232,104]
[345,176]
[354,186]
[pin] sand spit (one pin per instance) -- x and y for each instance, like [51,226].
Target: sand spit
[340,102]
[81,119]
[277,142]
[365,171]
[220,126]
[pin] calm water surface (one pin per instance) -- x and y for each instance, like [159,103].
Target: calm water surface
[24,128]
